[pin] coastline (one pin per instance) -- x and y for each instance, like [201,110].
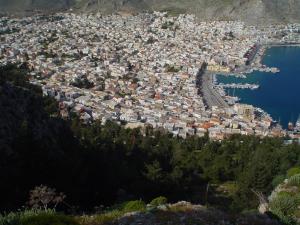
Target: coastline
[256,62]
[266,46]
[259,59]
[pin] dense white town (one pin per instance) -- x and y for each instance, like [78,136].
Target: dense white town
[145,69]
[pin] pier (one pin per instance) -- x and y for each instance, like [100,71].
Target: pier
[239,86]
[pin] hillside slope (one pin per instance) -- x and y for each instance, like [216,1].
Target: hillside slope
[17,6]
[252,11]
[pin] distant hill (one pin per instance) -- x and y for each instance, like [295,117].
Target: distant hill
[17,6]
[252,11]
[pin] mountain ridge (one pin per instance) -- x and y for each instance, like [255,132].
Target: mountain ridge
[252,11]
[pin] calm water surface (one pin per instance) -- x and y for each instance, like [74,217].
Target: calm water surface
[279,94]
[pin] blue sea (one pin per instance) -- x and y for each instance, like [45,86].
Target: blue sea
[279,93]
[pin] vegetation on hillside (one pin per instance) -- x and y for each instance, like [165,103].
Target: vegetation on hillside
[96,164]
[284,201]
[137,212]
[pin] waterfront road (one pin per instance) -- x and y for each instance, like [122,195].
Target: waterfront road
[210,95]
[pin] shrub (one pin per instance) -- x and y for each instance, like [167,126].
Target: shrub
[48,219]
[109,217]
[10,219]
[114,213]
[159,201]
[132,206]
[293,171]
[101,219]
[277,180]
[44,196]
[14,218]
[294,180]
[283,205]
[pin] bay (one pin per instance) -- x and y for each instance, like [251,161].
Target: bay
[279,94]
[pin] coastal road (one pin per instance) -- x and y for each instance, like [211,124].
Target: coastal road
[210,95]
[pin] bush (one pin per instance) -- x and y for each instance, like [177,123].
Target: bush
[293,171]
[284,205]
[10,219]
[159,201]
[113,214]
[294,180]
[277,180]
[48,219]
[133,206]
[101,219]
[15,218]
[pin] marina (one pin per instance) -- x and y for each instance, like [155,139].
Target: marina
[278,94]
[239,86]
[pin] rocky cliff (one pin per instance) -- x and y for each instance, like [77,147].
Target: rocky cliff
[252,11]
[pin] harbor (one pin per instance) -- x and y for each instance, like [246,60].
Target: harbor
[206,86]
[275,94]
[239,86]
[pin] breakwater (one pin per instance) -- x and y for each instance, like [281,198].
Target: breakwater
[278,95]
[239,86]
